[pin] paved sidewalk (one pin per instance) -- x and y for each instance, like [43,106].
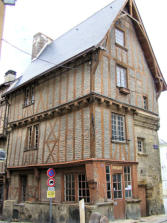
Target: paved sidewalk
[150,219]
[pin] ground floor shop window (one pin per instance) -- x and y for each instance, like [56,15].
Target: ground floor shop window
[83,188]
[76,187]
[128,181]
[118,184]
[108,182]
[69,187]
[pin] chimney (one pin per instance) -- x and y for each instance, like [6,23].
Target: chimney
[10,75]
[40,41]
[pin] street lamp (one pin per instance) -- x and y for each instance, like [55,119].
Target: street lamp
[9,2]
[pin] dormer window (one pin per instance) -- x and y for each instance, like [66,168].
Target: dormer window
[29,96]
[120,37]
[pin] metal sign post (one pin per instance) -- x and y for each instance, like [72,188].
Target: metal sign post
[50,211]
[51,190]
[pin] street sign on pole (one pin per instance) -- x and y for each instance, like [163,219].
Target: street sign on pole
[51,182]
[51,194]
[51,190]
[51,172]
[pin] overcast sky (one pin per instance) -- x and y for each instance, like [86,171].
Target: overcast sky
[53,18]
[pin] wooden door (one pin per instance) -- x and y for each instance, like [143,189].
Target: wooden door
[23,188]
[142,197]
[118,195]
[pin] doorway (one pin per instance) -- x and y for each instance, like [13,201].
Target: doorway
[23,181]
[119,202]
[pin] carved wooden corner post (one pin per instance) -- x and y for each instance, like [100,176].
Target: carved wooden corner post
[95,173]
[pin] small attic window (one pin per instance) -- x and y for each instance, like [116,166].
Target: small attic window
[120,37]
[29,96]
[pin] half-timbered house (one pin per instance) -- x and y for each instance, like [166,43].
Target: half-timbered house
[87,106]
[9,78]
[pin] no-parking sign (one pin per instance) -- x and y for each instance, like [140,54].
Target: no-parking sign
[51,172]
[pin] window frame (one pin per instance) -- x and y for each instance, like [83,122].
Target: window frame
[142,146]
[119,76]
[29,98]
[117,42]
[145,102]
[128,182]
[117,139]
[109,182]
[77,188]
[117,182]
[32,137]
[126,179]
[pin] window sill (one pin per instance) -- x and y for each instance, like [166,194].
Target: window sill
[122,47]
[120,142]
[132,200]
[108,202]
[123,90]
[142,154]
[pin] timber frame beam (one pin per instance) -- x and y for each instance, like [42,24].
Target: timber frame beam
[68,164]
[73,106]
[134,15]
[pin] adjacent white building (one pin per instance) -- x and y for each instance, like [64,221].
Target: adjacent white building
[163,157]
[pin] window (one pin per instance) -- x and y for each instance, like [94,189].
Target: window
[118,128]
[117,179]
[36,136]
[121,76]
[120,37]
[69,187]
[32,139]
[140,144]
[29,96]
[83,188]
[108,182]
[128,181]
[75,182]
[145,102]
[117,185]
[2,154]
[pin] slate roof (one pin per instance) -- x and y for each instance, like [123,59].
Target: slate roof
[83,37]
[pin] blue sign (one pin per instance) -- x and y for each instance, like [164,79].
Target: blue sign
[51,172]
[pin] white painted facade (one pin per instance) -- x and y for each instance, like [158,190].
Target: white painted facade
[163,158]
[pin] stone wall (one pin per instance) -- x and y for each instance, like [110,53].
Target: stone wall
[149,172]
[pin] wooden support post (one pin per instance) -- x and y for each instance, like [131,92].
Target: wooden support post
[130,7]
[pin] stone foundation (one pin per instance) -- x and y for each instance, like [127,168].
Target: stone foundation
[64,213]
